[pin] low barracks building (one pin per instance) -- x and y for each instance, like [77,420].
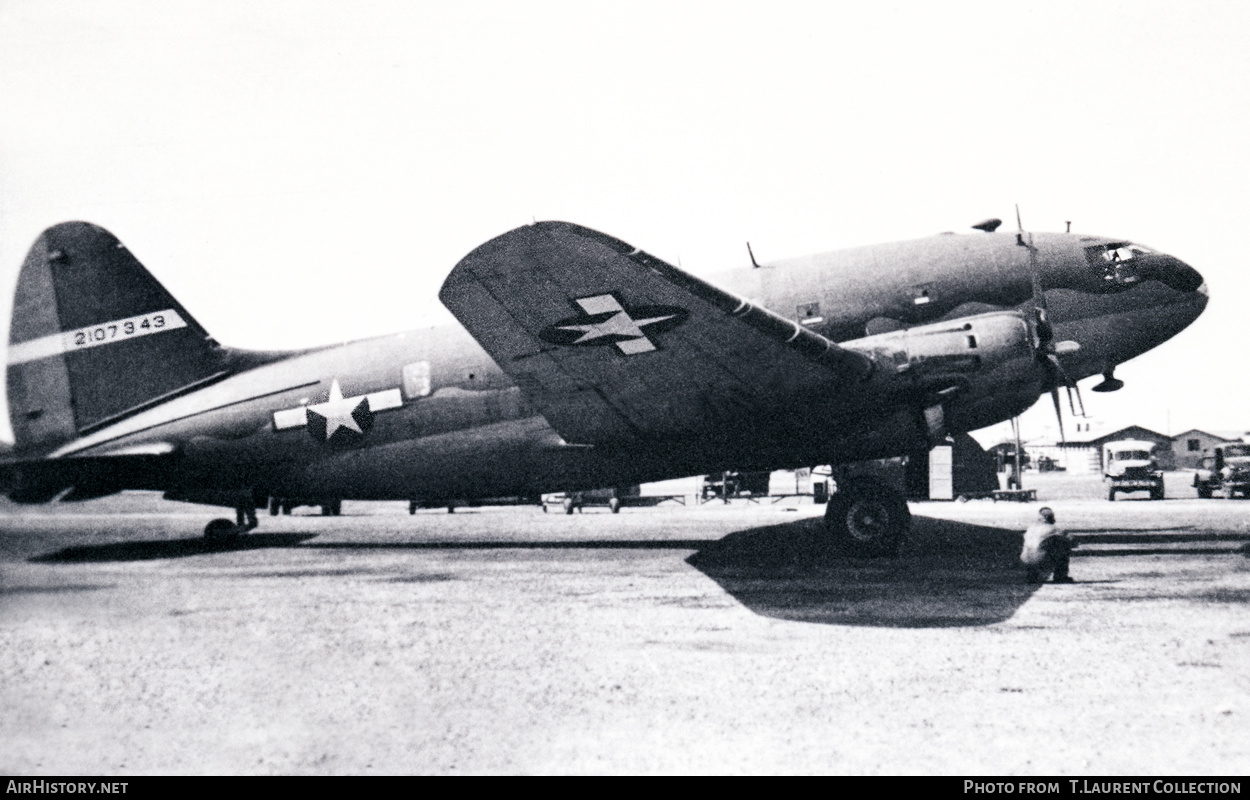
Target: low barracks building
[1086,455]
[1184,451]
[1191,446]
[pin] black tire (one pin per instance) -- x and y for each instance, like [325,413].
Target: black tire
[275,505]
[1204,492]
[867,518]
[412,508]
[286,509]
[1111,494]
[1156,493]
[220,530]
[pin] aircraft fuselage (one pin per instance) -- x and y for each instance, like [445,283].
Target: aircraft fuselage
[443,421]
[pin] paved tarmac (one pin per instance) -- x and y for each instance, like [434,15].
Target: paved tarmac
[695,640]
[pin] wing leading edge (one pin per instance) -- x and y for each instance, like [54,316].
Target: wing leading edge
[611,343]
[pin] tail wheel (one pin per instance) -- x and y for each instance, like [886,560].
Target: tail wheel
[220,530]
[867,518]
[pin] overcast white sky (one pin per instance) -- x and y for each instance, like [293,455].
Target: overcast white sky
[299,173]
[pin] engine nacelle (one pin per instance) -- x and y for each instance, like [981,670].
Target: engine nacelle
[978,370]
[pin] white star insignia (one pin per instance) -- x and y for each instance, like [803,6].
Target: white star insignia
[338,410]
[619,324]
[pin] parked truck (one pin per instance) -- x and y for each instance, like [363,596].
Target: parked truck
[1130,465]
[1225,473]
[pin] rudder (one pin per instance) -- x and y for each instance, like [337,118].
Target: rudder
[94,337]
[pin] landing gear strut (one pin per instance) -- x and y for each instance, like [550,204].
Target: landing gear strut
[867,518]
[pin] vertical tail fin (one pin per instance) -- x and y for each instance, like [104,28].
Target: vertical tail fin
[94,337]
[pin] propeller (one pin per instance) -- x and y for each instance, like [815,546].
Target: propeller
[1048,350]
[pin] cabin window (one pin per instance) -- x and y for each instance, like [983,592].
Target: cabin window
[417,380]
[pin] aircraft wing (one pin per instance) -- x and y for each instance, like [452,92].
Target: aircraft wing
[610,343]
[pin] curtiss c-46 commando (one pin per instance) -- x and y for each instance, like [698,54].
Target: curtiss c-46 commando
[582,362]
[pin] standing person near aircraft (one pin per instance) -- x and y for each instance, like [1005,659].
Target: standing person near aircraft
[1046,549]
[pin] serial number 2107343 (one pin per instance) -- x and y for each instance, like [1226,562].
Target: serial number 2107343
[112,330]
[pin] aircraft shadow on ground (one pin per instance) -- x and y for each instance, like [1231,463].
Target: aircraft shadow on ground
[169,548]
[949,574]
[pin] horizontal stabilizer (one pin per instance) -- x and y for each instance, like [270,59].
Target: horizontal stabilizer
[610,343]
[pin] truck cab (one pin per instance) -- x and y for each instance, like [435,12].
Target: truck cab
[1130,465]
[1226,473]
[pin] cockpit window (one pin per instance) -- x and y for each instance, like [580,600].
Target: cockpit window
[1115,253]
[1116,262]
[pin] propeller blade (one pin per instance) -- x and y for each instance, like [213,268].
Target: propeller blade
[1058,371]
[1079,400]
[1054,396]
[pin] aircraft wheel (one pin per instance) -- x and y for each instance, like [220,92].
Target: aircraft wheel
[275,505]
[614,504]
[867,518]
[412,507]
[286,509]
[220,530]
[336,507]
[1111,494]
[1156,493]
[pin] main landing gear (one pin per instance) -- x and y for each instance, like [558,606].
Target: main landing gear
[223,530]
[867,518]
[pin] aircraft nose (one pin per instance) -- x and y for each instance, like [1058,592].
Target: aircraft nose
[1174,272]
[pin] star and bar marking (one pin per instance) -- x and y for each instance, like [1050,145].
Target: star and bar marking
[339,418]
[606,320]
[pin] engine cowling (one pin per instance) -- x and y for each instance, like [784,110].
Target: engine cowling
[978,370]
